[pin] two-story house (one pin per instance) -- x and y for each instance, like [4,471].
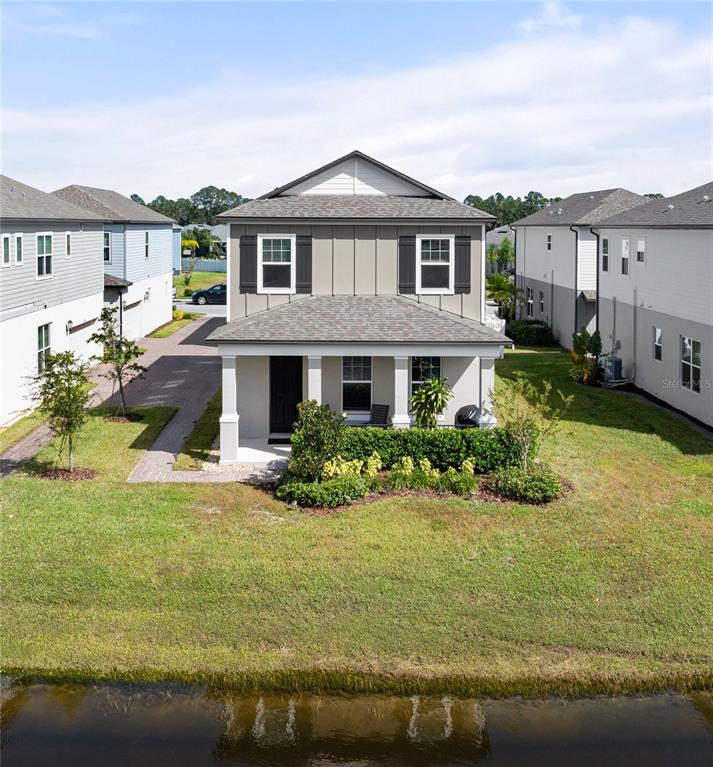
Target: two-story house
[556,259]
[51,286]
[656,297]
[137,254]
[351,286]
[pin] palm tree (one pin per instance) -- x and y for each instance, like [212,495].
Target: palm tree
[504,293]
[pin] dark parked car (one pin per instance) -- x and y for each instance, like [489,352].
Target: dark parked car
[218,294]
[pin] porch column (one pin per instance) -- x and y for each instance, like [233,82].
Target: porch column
[487,384]
[401,418]
[314,379]
[229,417]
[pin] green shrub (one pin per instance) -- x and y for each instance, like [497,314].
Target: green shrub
[316,439]
[187,292]
[406,475]
[429,401]
[337,491]
[530,332]
[538,484]
[461,482]
[444,448]
[178,314]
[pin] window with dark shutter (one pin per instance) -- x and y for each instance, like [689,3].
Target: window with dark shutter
[248,263]
[462,278]
[304,264]
[435,264]
[407,264]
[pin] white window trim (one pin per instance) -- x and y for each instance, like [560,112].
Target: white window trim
[111,247]
[529,302]
[293,264]
[6,238]
[19,238]
[691,364]
[541,301]
[654,345]
[147,243]
[44,349]
[450,290]
[626,258]
[38,256]
[641,240]
[370,382]
[548,242]
[411,381]
[68,240]
[606,255]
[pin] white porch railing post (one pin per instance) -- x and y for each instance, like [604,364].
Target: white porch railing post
[229,431]
[487,384]
[314,379]
[401,418]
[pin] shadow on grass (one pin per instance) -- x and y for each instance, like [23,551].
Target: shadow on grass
[606,408]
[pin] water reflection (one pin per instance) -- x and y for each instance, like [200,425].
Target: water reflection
[177,725]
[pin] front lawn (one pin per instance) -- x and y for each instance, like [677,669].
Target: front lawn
[609,588]
[199,281]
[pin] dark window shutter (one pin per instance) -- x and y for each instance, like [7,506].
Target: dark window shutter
[461,282]
[248,263]
[407,264]
[303,281]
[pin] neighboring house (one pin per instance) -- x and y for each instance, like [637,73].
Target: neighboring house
[351,286]
[51,286]
[556,259]
[137,250]
[495,237]
[176,238]
[656,297]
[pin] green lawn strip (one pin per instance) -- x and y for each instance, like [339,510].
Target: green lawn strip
[199,442]
[20,429]
[171,327]
[606,590]
[199,281]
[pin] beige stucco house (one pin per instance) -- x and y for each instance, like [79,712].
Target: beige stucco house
[350,286]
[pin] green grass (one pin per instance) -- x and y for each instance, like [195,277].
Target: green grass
[19,430]
[199,281]
[171,327]
[197,447]
[608,589]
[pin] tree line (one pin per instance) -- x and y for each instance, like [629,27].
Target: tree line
[200,208]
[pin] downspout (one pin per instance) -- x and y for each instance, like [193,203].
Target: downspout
[596,299]
[576,264]
[121,312]
[514,246]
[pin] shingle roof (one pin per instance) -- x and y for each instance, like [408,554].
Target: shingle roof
[688,209]
[356,319]
[584,209]
[355,207]
[110,205]
[115,282]
[20,201]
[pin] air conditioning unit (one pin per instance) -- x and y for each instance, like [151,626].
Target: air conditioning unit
[612,368]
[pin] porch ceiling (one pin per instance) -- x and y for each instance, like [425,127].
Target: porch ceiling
[375,320]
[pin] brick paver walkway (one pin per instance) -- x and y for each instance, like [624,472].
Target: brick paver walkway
[182,371]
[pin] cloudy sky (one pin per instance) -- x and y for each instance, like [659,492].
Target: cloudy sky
[164,98]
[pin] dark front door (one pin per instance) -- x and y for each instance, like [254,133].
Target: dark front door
[285,392]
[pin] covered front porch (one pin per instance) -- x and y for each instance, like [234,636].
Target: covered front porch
[263,379]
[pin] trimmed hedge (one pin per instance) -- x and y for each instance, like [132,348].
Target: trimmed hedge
[444,448]
[539,484]
[338,491]
[530,333]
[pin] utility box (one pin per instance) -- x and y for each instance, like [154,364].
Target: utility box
[612,368]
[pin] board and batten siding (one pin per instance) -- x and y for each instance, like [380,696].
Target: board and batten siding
[72,278]
[354,260]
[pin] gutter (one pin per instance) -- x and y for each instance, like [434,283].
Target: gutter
[596,322]
[576,264]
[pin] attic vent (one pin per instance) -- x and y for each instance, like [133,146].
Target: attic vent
[559,211]
[552,213]
[706,198]
[23,195]
[12,188]
[670,206]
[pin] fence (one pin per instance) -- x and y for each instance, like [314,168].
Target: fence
[206,265]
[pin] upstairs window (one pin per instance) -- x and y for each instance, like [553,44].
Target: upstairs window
[424,369]
[605,254]
[146,244]
[549,243]
[43,346]
[625,256]
[68,244]
[691,364]
[107,247]
[356,383]
[6,250]
[435,263]
[44,255]
[19,256]
[542,302]
[658,344]
[276,263]
[641,251]
[530,301]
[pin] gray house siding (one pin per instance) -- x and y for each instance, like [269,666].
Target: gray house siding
[117,265]
[75,277]
[355,260]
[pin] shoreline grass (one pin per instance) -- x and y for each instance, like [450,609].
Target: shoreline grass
[606,590]
[198,444]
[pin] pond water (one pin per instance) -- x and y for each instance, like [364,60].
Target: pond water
[122,724]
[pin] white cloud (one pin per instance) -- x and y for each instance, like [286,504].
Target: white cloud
[552,16]
[52,21]
[562,111]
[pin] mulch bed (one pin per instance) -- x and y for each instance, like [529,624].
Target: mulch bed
[129,418]
[69,476]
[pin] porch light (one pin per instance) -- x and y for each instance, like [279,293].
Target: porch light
[68,327]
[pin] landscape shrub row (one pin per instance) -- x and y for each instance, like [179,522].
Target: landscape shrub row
[530,332]
[490,449]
